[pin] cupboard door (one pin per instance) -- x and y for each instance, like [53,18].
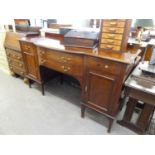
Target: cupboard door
[100,90]
[31,65]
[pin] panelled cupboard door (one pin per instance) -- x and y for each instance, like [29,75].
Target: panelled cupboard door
[31,65]
[99,90]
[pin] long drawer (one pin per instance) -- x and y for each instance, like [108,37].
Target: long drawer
[71,64]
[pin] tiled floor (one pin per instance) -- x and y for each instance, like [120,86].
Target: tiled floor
[26,111]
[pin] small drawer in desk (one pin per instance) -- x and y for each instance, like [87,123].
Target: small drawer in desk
[111,41]
[103,65]
[27,47]
[110,47]
[113,30]
[108,23]
[112,36]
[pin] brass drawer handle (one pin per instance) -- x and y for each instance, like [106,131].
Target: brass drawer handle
[111,35]
[43,61]
[106,66]
[18,57]
[20,65]
[112,30]
[68,68]
[68,59]
[113,23]
[63,67]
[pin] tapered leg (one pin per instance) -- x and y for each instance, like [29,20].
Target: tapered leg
[42,89]
[110,125]
[83,108]
[29,82]
[61,78]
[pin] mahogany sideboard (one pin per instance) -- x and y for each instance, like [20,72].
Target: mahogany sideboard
[101,73]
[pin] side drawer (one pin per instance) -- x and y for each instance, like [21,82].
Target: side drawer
[112,36]
[114,24]
[110,47]
[113,30]
[18,64]
[17,70]
[111,41]
[103,65]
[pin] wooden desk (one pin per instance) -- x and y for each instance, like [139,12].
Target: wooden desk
[100,74]
[139,87]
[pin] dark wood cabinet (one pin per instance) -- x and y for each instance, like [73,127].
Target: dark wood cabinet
[99,90]
[13,52]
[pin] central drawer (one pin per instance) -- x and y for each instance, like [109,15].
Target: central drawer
[71,64]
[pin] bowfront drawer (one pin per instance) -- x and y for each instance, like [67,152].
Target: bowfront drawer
[114,24]
[112,36]
[113,30]
[103,65]
[27,47]
[18,64]
[110,47]
[13,54]
[63,62]
[111,41]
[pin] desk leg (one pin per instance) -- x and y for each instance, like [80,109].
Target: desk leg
[110,125]
[42,89]
[83,108]
[29,82]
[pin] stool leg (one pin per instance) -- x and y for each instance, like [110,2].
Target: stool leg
[83,108]
[144,118]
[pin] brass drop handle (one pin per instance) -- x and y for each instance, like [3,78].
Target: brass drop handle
[20,65]
[18,57]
